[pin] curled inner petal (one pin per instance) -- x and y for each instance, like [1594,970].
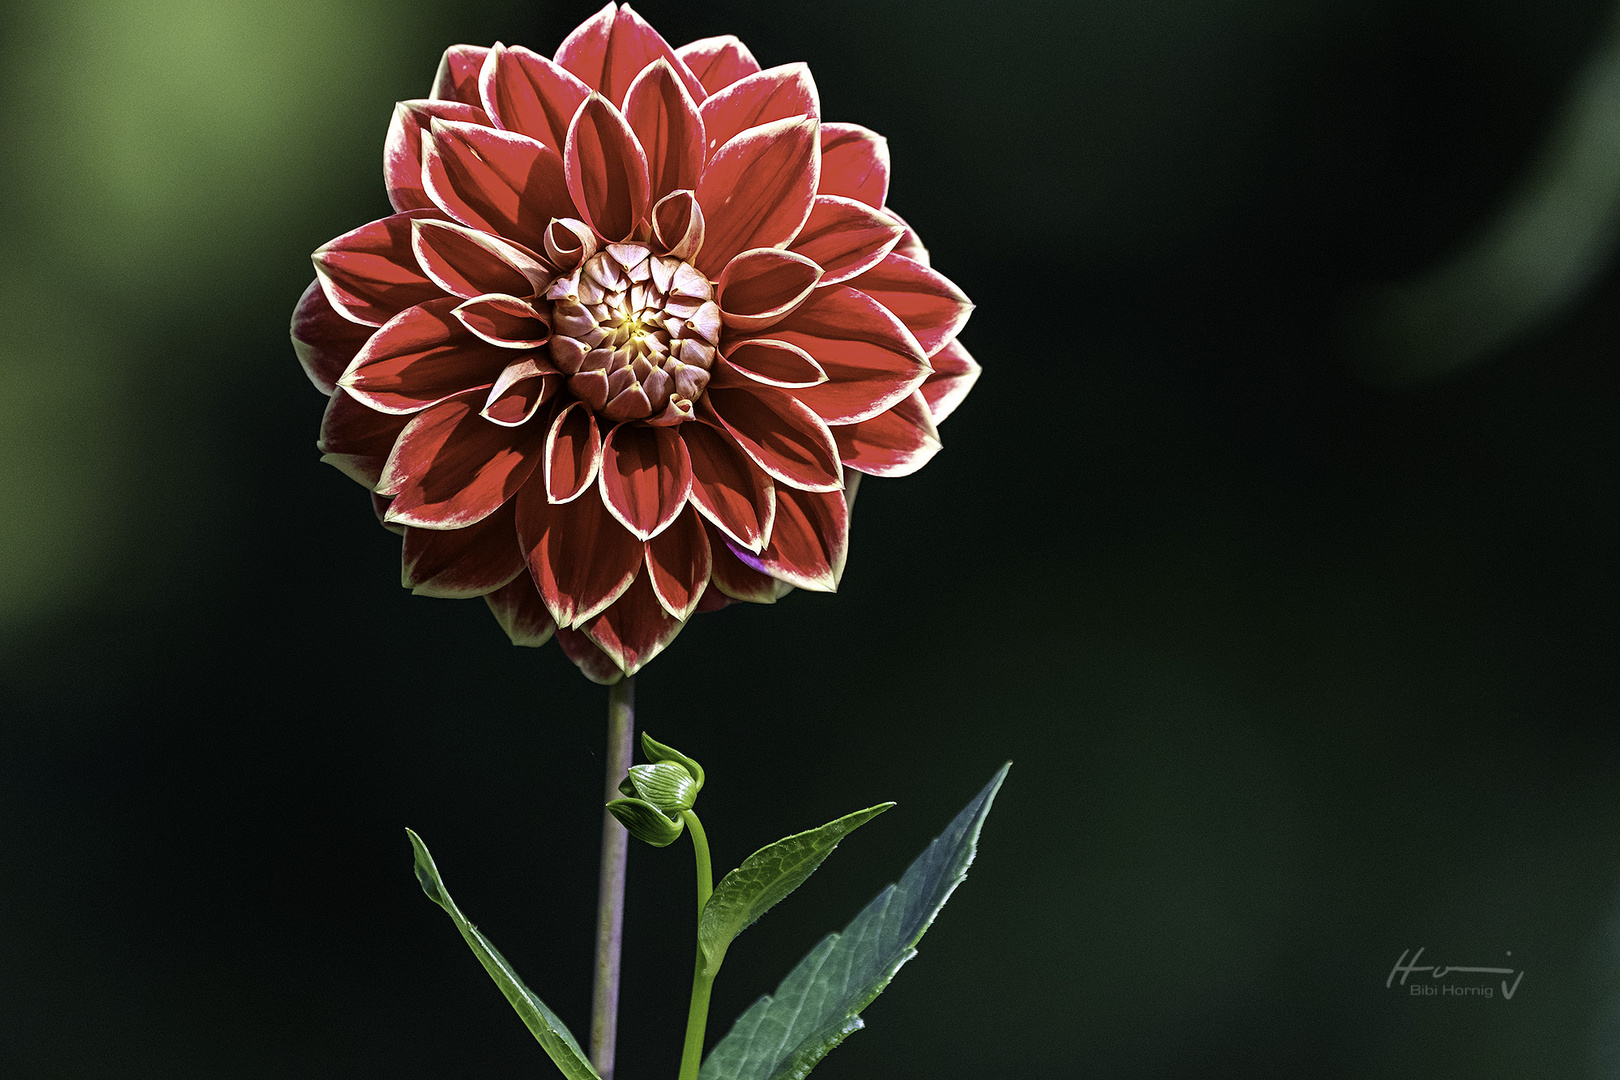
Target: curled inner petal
[763,286]
[505,320]
[517,395]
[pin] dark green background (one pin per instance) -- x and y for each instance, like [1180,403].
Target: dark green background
[1299,667]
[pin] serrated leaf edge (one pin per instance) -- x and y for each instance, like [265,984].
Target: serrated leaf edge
[796,1063]
[709,930]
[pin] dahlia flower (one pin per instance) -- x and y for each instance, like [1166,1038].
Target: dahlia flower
[638,319]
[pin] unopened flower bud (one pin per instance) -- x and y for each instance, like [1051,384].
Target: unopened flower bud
[657,793]
[665,784]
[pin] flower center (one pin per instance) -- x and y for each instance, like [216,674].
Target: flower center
[636,334]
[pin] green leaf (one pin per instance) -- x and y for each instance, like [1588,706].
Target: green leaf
[552,1033]
[765,877]
[818,1005]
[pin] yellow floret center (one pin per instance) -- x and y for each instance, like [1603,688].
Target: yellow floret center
[629,329]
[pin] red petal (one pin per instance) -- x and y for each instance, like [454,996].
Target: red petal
[356,440]
[678,565]
[612,48]
[910,245]
[735,578]
[520,611]
[930,305]
[370,274]
[457,79]
[852,488]
[606,170]
[954,374]
[324,340]
[728,487]
[498,181]
[760,287]
[402,149]
[780,433]
[573,453]
[893,443]
[774,94]
[854,163]
[757,190]
[451,467]
[379,506]
[520,391]
[463,563]
[592,662]
[583,51]
[468,262]
[668,127]
[810,541]
[871,359]
[846,237]
[524,92]
[505,320]
[635,629]
[712,600]
[581,557]
[718,61]
[773,363]
[421,357]
[646,476]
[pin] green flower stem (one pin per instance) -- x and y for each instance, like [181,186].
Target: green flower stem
[697,1014]
[705,869]
[697,1020]
[610,894]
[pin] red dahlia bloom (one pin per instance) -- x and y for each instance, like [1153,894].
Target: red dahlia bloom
[638,311]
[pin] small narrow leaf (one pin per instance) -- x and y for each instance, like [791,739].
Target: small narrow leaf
[551,1032]
[657,751]
[765,877]
[818,1005]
